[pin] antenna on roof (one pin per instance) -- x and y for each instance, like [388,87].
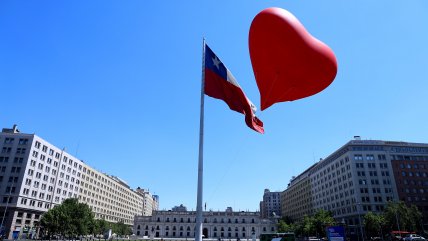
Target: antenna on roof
[77,148]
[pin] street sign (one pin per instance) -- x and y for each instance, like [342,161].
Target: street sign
[336,233]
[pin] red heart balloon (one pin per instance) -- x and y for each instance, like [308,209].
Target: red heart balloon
[288,62]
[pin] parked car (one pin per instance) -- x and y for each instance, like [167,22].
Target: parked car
[414,237]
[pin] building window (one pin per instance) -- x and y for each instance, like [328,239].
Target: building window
[20,150]
[362,182]
[362,174]
[357,158]
[23,141]
[373,173]
[7,199]
[8,140]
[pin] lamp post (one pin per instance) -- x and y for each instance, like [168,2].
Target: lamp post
[396,209]
[361,224]
[396,218]
[7,205]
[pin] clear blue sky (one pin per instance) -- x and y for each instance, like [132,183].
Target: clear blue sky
[118,84]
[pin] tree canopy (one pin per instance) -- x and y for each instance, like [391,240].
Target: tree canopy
[309,225]
[399,216]
[396,216]
[72,218]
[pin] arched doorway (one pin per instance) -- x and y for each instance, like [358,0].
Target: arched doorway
[205,233]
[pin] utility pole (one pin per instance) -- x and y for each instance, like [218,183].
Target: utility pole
[7,205]
[361,224]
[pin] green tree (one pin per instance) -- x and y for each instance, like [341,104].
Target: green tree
[374,223]
[306,226]
[79,215]
[121,228]
[322,219]
[416,218]
[71,219]
[50,221]
[101,226]
[314,225]
[284,227]
[399,216]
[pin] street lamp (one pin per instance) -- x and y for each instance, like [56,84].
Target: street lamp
[396,218]
[7,204]
[361,224]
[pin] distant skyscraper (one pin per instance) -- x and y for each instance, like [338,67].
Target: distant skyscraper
[155,202]
[150,202]
[180,208]
[271,204]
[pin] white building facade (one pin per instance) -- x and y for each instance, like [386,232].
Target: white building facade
[150,202]
[355,179]
[36,175]
[226,224]
[296,200]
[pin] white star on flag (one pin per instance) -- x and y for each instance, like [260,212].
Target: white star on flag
[216,62]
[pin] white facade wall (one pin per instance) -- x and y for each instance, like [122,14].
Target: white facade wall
[170,224]
[296,200]
[109,198]
[356,179]
[36,175]
[348,190]
[150,202]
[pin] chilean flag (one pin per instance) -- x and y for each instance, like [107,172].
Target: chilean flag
[220,84]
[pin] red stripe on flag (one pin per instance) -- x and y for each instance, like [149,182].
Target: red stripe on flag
[219,88]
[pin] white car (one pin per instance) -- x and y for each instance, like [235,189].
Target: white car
[414,237]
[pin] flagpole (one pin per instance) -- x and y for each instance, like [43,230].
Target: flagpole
[198,236]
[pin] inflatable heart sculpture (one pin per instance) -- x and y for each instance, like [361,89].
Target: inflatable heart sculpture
[288,62]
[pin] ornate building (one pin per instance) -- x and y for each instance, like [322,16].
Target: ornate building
[216,224]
